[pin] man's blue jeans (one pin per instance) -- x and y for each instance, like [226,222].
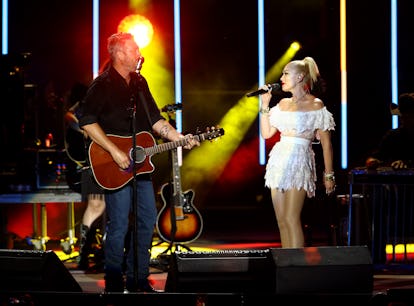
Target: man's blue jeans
[119,244]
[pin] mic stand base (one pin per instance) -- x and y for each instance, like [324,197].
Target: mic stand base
[163,259]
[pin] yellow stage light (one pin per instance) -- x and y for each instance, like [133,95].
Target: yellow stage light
[140,27]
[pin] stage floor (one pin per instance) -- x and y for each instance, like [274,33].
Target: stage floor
[395,278]
[392,284]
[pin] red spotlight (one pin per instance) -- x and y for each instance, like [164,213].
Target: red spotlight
[140,27]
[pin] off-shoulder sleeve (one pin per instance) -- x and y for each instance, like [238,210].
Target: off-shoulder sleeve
[325,120]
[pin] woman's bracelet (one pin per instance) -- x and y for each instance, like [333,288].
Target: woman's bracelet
[329,176]
[264,110]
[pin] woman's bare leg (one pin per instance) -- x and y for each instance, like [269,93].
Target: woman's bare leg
[288,207]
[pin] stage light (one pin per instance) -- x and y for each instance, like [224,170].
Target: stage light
[140,27]
[344,86]
[399,252]
[295,46]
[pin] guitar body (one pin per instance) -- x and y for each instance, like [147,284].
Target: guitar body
[107,173]
[188,220]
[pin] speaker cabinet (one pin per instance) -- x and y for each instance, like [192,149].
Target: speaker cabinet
[25,270]
[231,271]
[343,269]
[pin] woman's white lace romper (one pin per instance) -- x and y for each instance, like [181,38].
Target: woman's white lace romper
[291,161]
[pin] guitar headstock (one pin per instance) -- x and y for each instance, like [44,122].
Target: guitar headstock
[211,133]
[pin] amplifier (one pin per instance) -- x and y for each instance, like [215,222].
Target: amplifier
[47,168]
[223,261]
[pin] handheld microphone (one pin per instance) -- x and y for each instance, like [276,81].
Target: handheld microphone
[274,86]
[139,64]
[172,107]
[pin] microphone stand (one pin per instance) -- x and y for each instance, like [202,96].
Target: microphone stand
[134,203]
[134,192]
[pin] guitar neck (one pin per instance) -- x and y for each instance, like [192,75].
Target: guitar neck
[149,151]
[176,178]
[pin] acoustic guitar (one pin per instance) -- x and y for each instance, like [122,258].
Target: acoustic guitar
[107,173]
[75,150]
[178,220]
[75,146]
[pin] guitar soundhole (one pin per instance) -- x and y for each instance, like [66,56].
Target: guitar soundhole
[139,155]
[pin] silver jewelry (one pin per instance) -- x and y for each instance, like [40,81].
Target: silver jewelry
[264,110]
